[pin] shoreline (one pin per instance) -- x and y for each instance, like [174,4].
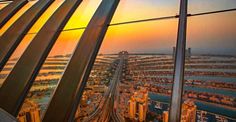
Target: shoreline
[202,102]
[223,106]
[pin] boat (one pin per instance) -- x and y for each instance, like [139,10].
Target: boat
[158,105]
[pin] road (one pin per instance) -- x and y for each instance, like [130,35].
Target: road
[106,111]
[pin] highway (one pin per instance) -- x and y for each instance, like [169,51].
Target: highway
[106,112]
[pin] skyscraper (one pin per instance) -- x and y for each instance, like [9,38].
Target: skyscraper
[189,110]
[165,116]
[138,105]
[132,108]
[188,53]
[29,113]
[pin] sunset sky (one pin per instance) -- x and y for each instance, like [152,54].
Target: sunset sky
[216,33]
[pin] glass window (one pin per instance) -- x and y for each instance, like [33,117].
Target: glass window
[130,10]
[16,16]
[14,58]
[56,62]
[45,16]
[82,14]
[27,39]
[52,70]
[132,76]
[197,6]
[210,68]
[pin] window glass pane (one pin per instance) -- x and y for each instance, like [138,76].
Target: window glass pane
[15,57]
[83,14]
[132,75]
[28,38]
[16,16]
[197,6]
[45,16]
[51,71]
[55,64]
[129,10]
[210,68]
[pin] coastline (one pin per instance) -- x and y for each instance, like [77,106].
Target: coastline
[229,112]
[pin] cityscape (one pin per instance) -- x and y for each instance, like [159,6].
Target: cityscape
[137,87]
[117,61]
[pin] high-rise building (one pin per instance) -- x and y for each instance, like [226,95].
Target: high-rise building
[188,53]
[189,110]
[132,108]
[30,112]
[165,116]
[138,105]
[173,53]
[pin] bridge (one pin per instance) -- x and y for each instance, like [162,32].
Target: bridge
[106,111]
